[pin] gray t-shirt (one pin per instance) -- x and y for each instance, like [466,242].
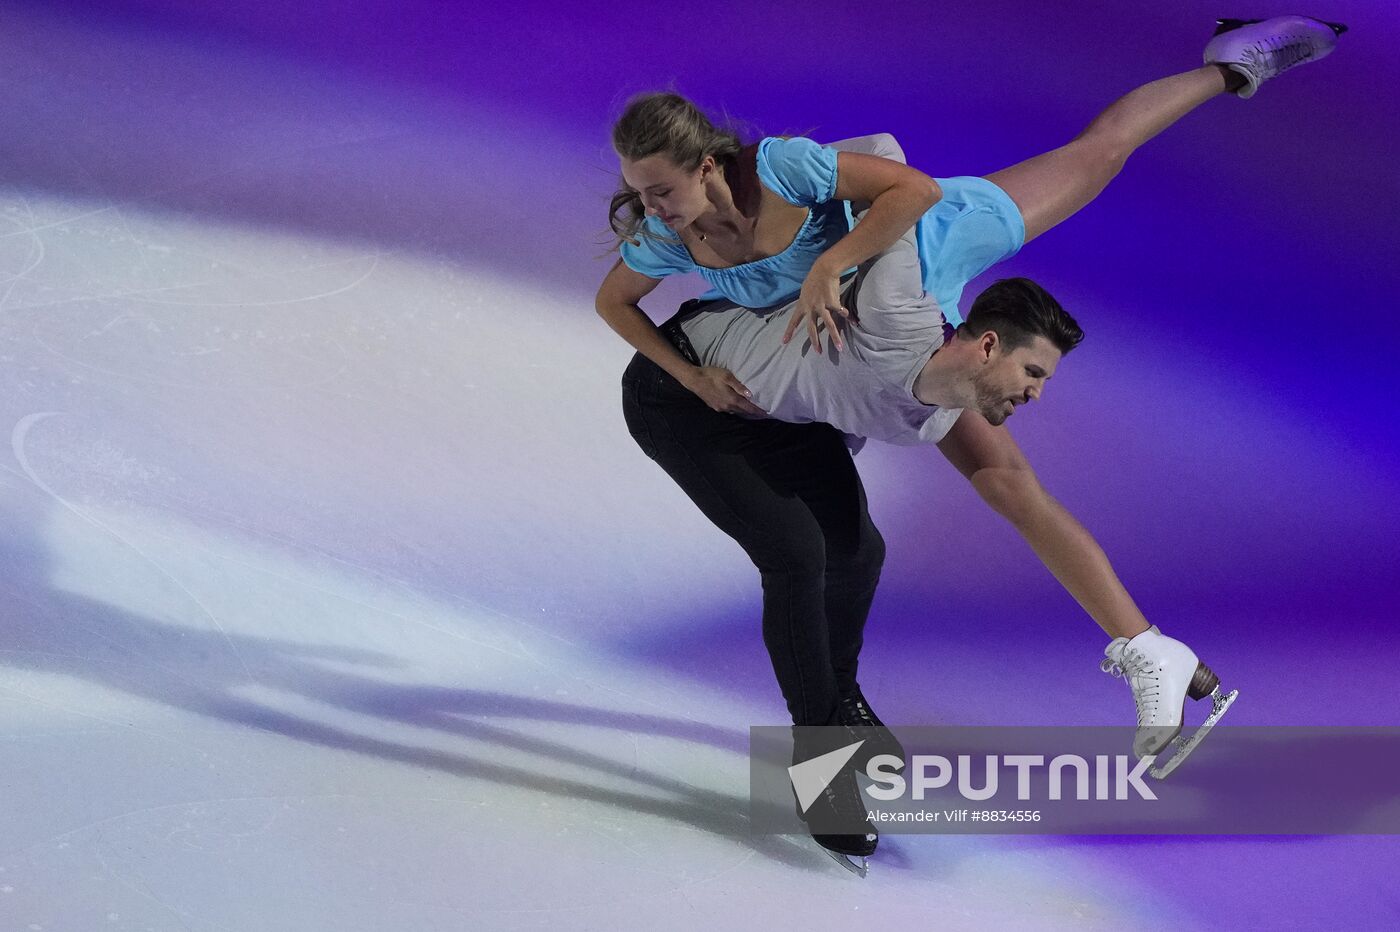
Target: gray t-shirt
[865,390]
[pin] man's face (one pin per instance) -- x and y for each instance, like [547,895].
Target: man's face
[1010,379]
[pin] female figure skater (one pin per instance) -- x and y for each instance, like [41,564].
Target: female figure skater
[764,224]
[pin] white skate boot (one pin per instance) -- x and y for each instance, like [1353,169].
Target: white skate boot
[1162,672]
[1261,49]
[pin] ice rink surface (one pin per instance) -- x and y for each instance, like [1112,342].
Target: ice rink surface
[336,597]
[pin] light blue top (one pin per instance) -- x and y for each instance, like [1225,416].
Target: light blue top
[799,171]
[804,173]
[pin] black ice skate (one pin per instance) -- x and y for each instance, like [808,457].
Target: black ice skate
[832,816]
[826,794]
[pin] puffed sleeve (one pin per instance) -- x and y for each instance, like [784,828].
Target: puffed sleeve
[882,144]
[657,257]
[798,170]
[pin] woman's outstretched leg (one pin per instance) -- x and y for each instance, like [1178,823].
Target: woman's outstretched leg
[1051,187]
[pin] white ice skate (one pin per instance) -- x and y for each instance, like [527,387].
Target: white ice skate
[1162,672]
[1262,49]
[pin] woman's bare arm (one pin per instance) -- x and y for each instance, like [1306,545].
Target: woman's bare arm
[898,196]
[617,304]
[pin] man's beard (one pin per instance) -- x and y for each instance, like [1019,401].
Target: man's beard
[991,403]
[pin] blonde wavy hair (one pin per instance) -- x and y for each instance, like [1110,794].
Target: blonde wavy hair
[663,123]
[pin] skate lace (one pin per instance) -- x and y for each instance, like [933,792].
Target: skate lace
[857,712]
[1279,53]
[1141,675]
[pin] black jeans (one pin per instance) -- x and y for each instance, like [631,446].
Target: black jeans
[790,495]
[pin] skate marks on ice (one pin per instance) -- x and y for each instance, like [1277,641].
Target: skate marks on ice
[21,249]
[158,325]
[18,439]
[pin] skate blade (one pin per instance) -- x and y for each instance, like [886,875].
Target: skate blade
[1220,703]
[854,863]
[1228,25]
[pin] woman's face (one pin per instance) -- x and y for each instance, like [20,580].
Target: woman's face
[670,193]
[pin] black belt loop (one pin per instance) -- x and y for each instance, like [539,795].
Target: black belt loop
[673,332]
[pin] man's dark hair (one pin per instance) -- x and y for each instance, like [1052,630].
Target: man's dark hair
[1018,309]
